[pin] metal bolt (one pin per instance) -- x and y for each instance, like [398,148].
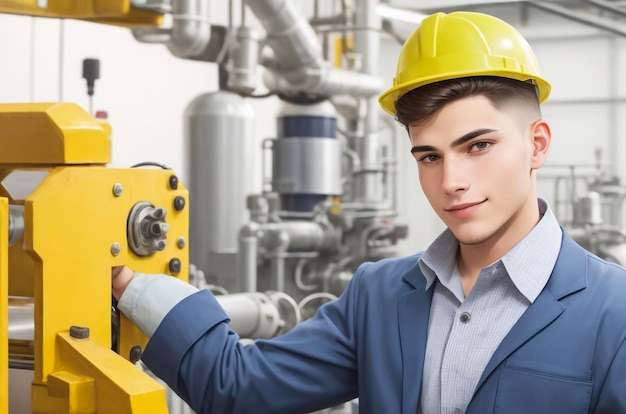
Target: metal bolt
[179,203]
[173,182]
[180,242]
[158,228]
[174,265]
[117,189]
[135,354]
[79,332]
[158,213]
[115,248]
[160,245]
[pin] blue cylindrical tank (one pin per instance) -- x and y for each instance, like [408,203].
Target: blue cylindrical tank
[306,156]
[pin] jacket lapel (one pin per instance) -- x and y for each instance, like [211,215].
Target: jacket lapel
[414,313]
[568,276]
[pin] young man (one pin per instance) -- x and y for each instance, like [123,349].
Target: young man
[503,313]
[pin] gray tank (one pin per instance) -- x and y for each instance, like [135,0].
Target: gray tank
[219,128]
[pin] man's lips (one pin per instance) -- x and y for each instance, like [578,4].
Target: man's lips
[464,210]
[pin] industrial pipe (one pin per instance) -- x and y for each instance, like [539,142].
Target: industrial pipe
[298,236]
[190,33]
[252,314]
[247,256]
[298,64]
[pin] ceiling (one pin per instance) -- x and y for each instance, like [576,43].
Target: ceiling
[604,15]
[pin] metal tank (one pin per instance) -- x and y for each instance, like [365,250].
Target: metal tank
[219,128]
[306,156]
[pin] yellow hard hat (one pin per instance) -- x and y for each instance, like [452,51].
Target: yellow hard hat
[460,45]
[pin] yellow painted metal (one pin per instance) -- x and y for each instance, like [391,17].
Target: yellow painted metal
[4,306]
[79,220]
[76,393]
[340,42]
[51,134]
[96,389]
[72,220]
[114,12]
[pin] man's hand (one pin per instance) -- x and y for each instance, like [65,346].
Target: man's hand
[121,277]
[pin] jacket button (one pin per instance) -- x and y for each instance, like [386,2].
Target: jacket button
[465,317]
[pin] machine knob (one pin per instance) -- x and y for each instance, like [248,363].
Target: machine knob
[147,229]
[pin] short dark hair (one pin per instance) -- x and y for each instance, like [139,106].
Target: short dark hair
[421,104]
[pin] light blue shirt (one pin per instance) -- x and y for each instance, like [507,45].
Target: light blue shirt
[148,298]
[464,332]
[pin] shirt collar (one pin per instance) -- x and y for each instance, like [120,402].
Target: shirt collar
[528,264]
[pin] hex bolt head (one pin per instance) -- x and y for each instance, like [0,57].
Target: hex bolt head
[180,242]
[117,189]
[135,354]
[175,265]
[115,249]
[173,182]
[179,203]
[79,332]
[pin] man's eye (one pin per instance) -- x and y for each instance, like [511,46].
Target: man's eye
[428,158]
[482,145]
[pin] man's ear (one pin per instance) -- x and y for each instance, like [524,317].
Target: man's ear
[541,137]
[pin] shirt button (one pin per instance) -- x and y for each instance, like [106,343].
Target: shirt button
[465,317]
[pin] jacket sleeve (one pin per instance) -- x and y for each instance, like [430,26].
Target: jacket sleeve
[312,367]
[612,397]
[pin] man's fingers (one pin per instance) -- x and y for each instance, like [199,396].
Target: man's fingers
[121,277]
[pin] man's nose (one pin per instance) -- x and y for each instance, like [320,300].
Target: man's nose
[455,176]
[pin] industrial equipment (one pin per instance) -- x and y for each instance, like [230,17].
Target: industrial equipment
[71,219]
[328,200]
[589,201]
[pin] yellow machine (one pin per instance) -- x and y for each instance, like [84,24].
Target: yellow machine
[70,220]
[116,12]
[65,221]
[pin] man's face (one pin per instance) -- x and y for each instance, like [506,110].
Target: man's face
[475,166]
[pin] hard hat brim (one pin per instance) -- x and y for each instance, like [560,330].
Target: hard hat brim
[388,99]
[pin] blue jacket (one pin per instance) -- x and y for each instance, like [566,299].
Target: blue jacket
[566,354]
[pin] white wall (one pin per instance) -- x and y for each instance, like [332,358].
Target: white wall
[145,90]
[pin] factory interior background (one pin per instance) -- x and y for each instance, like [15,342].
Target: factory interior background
[146,93]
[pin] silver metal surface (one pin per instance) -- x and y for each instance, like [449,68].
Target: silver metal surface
[297,65]
[21,318]
[219,132]
[243,62]
[252,315]
[16,223]
[190,32]
[307,165]
[147,229]
[588,209]
[247,257]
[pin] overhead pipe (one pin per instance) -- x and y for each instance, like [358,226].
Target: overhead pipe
[298,64]
[190,33]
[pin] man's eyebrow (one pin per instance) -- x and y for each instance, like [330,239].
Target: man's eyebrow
[456,142]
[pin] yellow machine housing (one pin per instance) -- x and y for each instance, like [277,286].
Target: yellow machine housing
[114,12]
[78,217]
